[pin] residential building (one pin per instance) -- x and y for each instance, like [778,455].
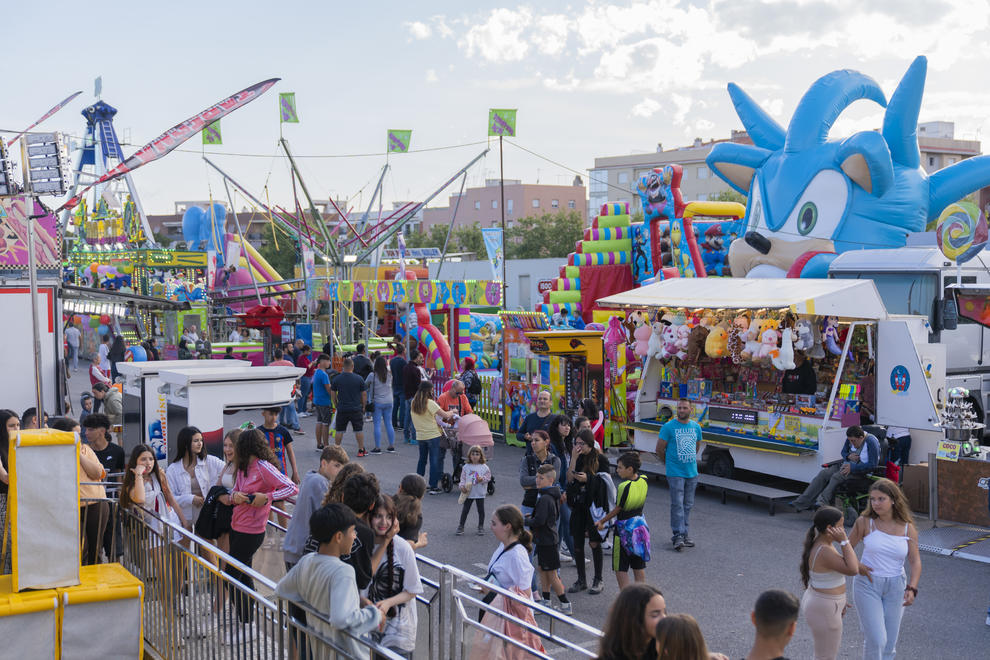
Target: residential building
[481,205]
[614,178]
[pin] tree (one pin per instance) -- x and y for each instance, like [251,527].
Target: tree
[547,236]
[432,238]
[469,239]
[729,196]
[282,258]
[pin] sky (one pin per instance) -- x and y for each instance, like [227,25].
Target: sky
[589,80]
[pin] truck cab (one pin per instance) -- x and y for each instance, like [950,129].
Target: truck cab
[919,281]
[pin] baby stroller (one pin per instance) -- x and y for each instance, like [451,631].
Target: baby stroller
[467,432]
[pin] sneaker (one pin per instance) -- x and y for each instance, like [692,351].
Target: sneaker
[319,447]
[298,431]
[565,556]
[460,530]
[597,586]
[362,453]
[434,491]
[565,608]
[577,587]
[376,450]
[305,414]
[481,530]
[688,543]
[391,450]
[678,543]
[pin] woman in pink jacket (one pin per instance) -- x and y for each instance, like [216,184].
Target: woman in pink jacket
[258,483]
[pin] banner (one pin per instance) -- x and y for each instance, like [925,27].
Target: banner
[308,273]
[211,269]
[173,137]
[45,116]
[457,293]
[15,213]
[502,122]
[398,141]
[287,108]
[211,134]
[401,239]
[493,244]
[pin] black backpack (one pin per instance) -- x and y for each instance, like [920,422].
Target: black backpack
[474,386]
[214,518]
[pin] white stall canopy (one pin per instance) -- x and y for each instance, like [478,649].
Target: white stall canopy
[849,299]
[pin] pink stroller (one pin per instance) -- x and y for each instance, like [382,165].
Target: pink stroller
[471,431]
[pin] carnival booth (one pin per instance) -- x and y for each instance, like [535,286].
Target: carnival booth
[145,400]
[200,397]
[777,369]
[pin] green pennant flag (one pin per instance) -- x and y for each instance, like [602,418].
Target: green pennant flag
[398,141]
[211,134]
[502,122]
[287,108]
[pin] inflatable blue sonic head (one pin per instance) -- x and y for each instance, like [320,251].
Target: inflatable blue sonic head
[811,198]
[202,230]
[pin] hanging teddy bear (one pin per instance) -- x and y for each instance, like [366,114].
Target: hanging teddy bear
[817,350]
[642,336]
[655,344]
[736,339]
[683,337]
[768,339]
[751,348]
[669,337]
[804,336]
[696,342]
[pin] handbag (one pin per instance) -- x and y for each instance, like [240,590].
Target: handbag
[214,518]
[490,577]
[370,406]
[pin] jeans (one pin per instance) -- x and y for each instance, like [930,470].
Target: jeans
[288,417]
[681,503]
[408,430]
[564,527]
[242,548]
[74,357]
[900,448]
[821,490]
[430,448]
[398,409]
[305,387]
[382,416]
[880,605]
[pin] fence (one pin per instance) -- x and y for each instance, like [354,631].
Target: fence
[489,405]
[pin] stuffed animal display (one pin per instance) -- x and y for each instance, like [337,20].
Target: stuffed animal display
[642,336]
[783,358]
[716,345]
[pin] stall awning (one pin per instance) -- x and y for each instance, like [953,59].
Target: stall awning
[854,299]
[132,300]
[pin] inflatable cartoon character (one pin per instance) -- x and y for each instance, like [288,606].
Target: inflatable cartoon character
[810,198]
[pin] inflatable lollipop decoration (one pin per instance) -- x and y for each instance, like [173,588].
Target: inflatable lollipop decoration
[961,231]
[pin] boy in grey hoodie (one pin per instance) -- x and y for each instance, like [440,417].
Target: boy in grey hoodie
[311,492]
[325,583]
[543,523]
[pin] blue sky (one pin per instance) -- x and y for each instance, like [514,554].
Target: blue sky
[589,79]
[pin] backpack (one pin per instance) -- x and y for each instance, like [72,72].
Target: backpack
[474,383]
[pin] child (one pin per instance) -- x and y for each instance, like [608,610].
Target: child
[475,476]
[360,493]
[325,583]
[86,401]
[632,536]
[280,440]
[314,487]
[543,522]
[395,585]
[409,510]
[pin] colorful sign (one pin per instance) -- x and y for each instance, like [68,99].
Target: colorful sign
[493,245]
[544,286]
[900,380]
[398,141]
[287,108]
[15,218]
[947,451]
[467,293]
[173,137]
[502,122]
[211,134]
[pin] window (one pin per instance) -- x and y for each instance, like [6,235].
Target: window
[494,203]
[702,172]
[598,182]
[570,204]
[931,161]
[555,203]
[536,203]
[623,177]
[509,205]
[477,206]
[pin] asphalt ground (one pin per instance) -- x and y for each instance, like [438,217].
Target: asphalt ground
[741,551]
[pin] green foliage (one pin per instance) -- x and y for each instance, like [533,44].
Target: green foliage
[547,236]
[636,218]
[432,238]
[729,196]
[282,258]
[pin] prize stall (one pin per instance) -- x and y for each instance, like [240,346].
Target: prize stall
[776,370]
[525,371]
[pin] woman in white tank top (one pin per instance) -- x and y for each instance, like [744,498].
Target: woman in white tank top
[824,571]
[881,591]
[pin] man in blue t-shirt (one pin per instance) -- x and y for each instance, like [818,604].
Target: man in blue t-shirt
[677,446]
[321,400]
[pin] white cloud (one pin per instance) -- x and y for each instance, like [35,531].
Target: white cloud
[704,125]
[500,37]
[553,31]
[645,108]
[682,106]
[431,76]
[775,107]
[419,30]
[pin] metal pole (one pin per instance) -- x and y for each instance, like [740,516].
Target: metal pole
[33,286]
[237,224]
[501,190]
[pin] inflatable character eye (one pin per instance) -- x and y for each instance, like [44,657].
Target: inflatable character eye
[807,218]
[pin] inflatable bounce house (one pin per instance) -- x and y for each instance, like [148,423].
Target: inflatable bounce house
[812,198]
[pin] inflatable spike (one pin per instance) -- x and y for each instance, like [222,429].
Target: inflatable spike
[567,284]
[610,221]
[564,296]
[623,245]
[598,259]
[606,233]
[615,208]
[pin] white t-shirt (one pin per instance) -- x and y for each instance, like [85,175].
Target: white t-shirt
[104,357]
[234,336]
[72,336]
[512,568]
[400,630]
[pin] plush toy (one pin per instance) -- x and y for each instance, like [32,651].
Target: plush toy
[768,342]
[655,347]
[783,357]
[683,337]
[669,337]
[736,339]
[716,344]
[642,337]
[830,334]
[696,342]
[751,346]
[804,336]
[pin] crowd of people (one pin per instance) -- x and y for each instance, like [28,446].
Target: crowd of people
[349,549]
